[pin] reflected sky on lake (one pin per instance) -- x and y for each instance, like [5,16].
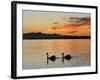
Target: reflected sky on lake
[34,53]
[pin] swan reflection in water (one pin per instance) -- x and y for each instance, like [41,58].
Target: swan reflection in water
[53,57]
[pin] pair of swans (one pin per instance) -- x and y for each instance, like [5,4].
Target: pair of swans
[53,57]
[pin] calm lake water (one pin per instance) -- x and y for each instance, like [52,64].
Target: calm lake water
[34,53]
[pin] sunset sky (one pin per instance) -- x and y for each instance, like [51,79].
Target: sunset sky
[63,23]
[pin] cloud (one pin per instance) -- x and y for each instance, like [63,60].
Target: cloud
[71,26]
[71,32]
[55,23]
[72,22]
[56,27]
[79,21]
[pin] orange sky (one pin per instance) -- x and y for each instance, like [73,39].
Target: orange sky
[75,24]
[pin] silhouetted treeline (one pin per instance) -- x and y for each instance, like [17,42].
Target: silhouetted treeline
[51,36]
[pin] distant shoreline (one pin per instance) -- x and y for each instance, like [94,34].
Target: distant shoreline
[51,36]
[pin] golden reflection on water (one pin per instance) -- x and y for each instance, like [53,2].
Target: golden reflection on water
[34,56]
